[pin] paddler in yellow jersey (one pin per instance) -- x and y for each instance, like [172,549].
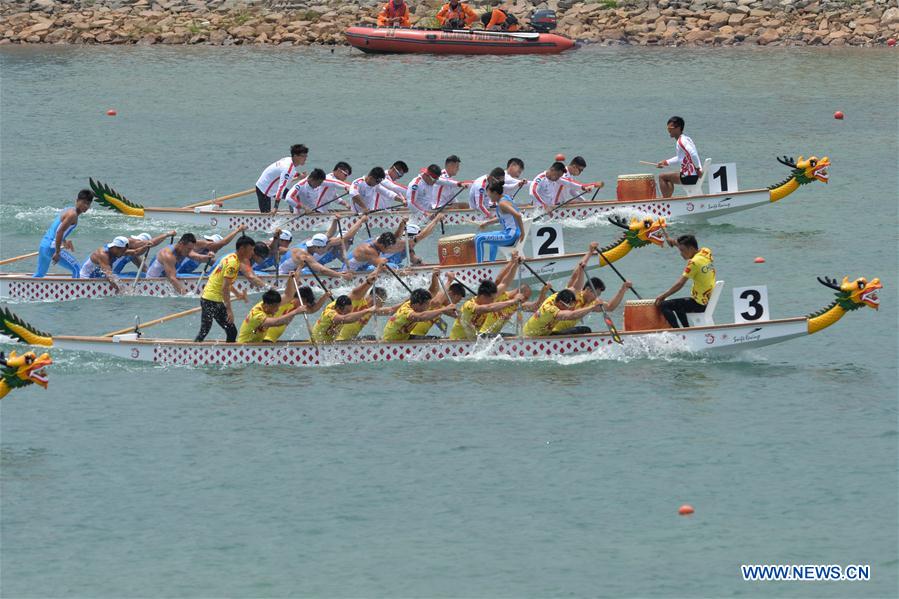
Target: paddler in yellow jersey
[414,310]
[340,313]
[700,269]
[495,321]
[475,310]
[456,293]
[557,307]
[215,303]
[273,311]
[365,297]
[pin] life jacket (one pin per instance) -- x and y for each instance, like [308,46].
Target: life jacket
[454,13]
[394,12]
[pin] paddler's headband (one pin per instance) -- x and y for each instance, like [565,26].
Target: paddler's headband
[431,171]
[119,242]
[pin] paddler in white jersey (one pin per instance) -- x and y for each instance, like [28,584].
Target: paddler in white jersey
[141,243]
[422,192]
[574,169]
[368,192]
[477,194]
[54,248]
[446,193]
[335,185]
[303,196]
[99,263]
[687,157]
[547,187]
[274,180]
[396,172]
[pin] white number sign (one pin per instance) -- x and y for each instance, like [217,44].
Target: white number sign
[751,304]
[722,178]
[547,240]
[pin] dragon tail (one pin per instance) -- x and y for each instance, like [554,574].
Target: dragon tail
[110,198]
[21,331]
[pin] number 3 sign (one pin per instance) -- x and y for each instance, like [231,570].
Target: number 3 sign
[751,304]
[547,240]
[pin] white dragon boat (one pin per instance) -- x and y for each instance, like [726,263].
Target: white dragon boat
[708,339]
[23,287]
[684,208]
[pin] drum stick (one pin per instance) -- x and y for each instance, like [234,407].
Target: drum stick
[649,163]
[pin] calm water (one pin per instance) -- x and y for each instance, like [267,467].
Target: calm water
[475,478]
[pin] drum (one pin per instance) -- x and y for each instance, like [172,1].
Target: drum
[636,187]
[456,249]
[643,315]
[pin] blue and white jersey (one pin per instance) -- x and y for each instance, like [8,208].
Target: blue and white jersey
[49,239]
[506,220]
[156,269]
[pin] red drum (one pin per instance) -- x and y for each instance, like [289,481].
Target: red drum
[643,315]
[636,187]
[456,249]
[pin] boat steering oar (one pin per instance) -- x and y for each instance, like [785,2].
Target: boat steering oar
[232,196]
[154,322]
[617,272]
[17,258]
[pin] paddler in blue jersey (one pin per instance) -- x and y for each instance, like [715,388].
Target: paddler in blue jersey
[54,248]
[408,235]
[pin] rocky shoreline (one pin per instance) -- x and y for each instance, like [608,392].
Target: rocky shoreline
[304,22]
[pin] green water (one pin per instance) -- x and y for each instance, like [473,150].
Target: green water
[467,478]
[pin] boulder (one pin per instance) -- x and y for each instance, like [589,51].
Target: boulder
[890,16]
[242,31]
[718,19]
[736,19]
[695,37]
[768,36]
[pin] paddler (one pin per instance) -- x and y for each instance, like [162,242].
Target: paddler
[274,180]
[99,264]
[141,243]
[278,245]
[54,246]
[396,172]
[394,14]
[303,196]
[408,235]
[215,302]
[368,192]
[700,269]
[456,15]
[311,304]
[499,20]
[495,321]
[574,169]
[547,187]
[346,310]
[274,310]
[335,185]
[169,258]
[586,293]
[317,251]
[414,310]
[456,294]
[364,297]
[475,310]
[507,216]
[423,191]
[477,193]
[368,255]
[208,246]
[446,192]
[687,156]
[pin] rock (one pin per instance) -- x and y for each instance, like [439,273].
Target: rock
[147,40]
[694,37]
[718,19]
[890,16]
[768,36]
[736,19]
[33,39]
[217,37]
[47,6]
[174,38]
[242,31]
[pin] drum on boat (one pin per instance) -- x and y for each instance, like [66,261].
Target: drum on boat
[636,187]
[456,249]
[643,315]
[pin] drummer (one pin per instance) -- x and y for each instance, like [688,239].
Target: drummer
[547,187]
[687,157]
[507,216]
[700,269]
[394,14]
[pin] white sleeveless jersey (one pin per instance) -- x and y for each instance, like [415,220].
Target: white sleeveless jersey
[548,193]
[301,195]
[477,193]
[274,179]
[373,196]
[330,189]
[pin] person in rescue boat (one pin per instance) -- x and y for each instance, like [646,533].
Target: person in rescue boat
[394,13]
[456,15]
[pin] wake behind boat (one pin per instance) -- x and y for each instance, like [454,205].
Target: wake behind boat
[698,207]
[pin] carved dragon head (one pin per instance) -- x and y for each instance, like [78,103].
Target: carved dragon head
[855,294]
[806,170]
[25,369]
[641,231]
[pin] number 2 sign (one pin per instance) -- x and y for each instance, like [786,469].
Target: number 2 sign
[547,240]
[751,304]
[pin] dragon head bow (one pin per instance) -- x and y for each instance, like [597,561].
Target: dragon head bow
[21,370]
[852,295]
[806,170]
[642,231]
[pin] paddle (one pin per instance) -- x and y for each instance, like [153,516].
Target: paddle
[305,316]
[539,278]
[140,268]
[402,282]
[617,272]
[232,196]
[316,209]
[443,207]
[155,322]
[200,280]
[17,258]
[648,163]
[605,315]
[554,208]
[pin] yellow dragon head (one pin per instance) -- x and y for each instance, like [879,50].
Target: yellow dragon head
[806,170]
[23,370]
[641,231]
[855,294]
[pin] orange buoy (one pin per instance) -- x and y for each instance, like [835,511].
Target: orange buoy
[685,510]
[560,157]
[891,42]
[111,112]
[838,115]
[759,260]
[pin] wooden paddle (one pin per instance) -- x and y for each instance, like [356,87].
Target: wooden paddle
[605,315]
[441,209]
[232,196]
[302,214]
[155,322]
[305,316]
[617,272]
[554,208]
[17,258]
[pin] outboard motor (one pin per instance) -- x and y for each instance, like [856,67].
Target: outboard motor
[543,20]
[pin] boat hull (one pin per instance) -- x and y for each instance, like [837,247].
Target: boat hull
[686,209]
[717,339]
[25,288]
[376,40]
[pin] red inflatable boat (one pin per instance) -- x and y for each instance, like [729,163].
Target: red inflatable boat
[456,41]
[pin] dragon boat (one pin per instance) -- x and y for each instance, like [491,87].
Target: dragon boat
[708,339]
[398,40]
[22,287]
[683,208]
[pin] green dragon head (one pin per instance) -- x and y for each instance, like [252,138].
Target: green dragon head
[853,295]
[806,170]
[640,231]
[110,198]
[23,370]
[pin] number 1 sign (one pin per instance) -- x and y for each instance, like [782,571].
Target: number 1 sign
[723,178]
